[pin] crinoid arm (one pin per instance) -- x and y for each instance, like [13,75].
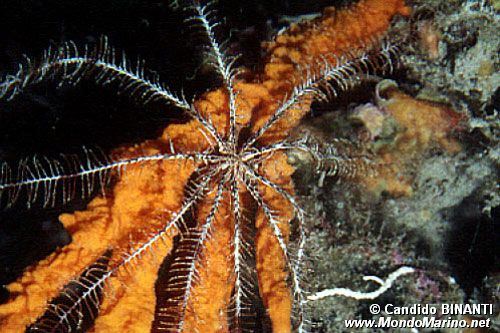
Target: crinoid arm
[138,216]
[223,64]
[331,75]
[77,305]
[53,181]
[68,65]
[293,260]
[245,296]
[340,158]
[213,196]
[177,298]
[323,57]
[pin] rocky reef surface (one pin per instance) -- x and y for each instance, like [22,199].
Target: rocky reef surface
[438,211]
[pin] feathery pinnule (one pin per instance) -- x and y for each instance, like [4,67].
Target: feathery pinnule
[214,195]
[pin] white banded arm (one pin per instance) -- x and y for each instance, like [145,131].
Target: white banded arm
[222,63]
[334,78]
[102,62]
[42,175]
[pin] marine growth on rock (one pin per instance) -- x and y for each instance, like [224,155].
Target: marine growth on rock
[201,229]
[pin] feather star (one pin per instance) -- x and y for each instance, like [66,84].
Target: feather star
[213,195]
